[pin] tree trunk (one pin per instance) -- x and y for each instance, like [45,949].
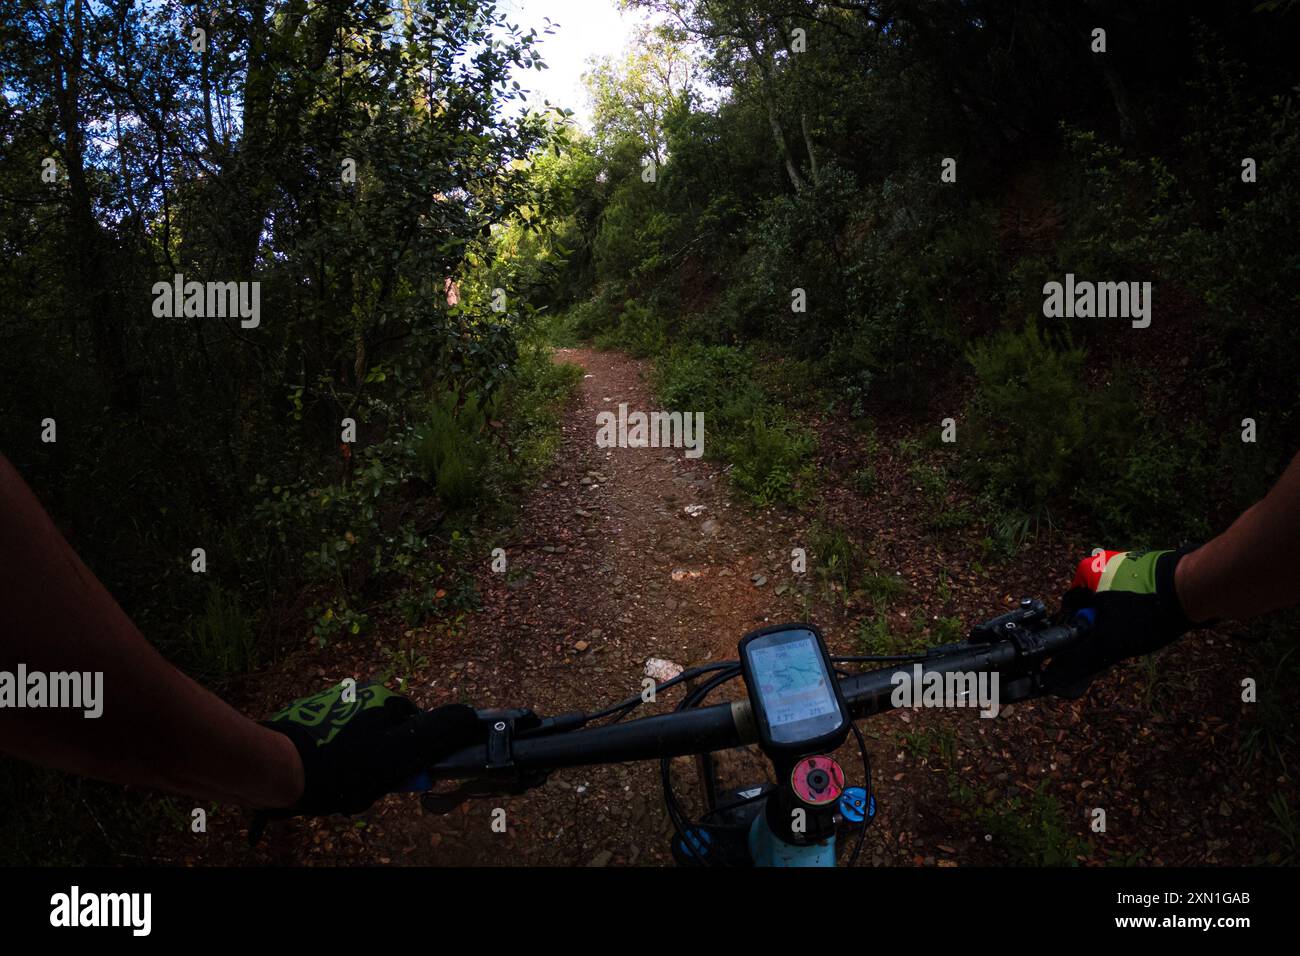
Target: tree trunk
[93,301]
[773,119]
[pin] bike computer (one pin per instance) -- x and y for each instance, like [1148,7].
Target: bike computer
[793,691]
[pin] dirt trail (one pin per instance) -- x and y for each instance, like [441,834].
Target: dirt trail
[609,570]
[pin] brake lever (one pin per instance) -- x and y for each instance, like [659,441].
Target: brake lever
[1030,614]
[501,777]
[1025,627]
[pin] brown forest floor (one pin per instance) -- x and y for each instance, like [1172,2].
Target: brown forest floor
[591,594]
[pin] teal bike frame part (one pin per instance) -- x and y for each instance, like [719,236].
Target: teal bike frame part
[767,849]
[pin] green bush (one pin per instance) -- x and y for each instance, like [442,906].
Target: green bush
[1041,438]
[772,462]
[1034,424]
[222,642]
[1157,490]
[629,242]
[1122,211]
[875,636]
[918,263]
[637,329]
[836,557]
[881,589]
[771,455]
[337,619]
[451,448]
[589,319]
[715,379]
[533,404]
[863,480]
[377,537]
[333,533]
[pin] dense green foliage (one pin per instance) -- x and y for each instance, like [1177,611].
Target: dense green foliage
[770,453]
[802,212]
[349,157]
[335,457]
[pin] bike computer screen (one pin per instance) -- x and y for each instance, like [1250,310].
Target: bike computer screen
[793,690]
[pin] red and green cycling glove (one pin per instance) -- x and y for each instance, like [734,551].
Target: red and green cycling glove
[360,741]
[1136,611]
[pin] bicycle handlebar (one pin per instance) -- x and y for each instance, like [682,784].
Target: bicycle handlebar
[723,726]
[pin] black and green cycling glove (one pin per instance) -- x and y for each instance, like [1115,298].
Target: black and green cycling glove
[361,741]
[1136,611]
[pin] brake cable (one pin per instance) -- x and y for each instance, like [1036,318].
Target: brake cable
[623,708]
[681,823]
[867,814]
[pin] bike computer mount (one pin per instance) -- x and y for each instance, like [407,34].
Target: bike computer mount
[795,696]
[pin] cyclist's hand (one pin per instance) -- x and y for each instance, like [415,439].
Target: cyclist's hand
[354,751]
[1137,612]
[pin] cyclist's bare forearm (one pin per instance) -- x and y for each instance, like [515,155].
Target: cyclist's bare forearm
[156,728]
[1254,566]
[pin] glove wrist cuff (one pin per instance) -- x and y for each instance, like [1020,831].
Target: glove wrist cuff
[1167,592]
[308,752]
